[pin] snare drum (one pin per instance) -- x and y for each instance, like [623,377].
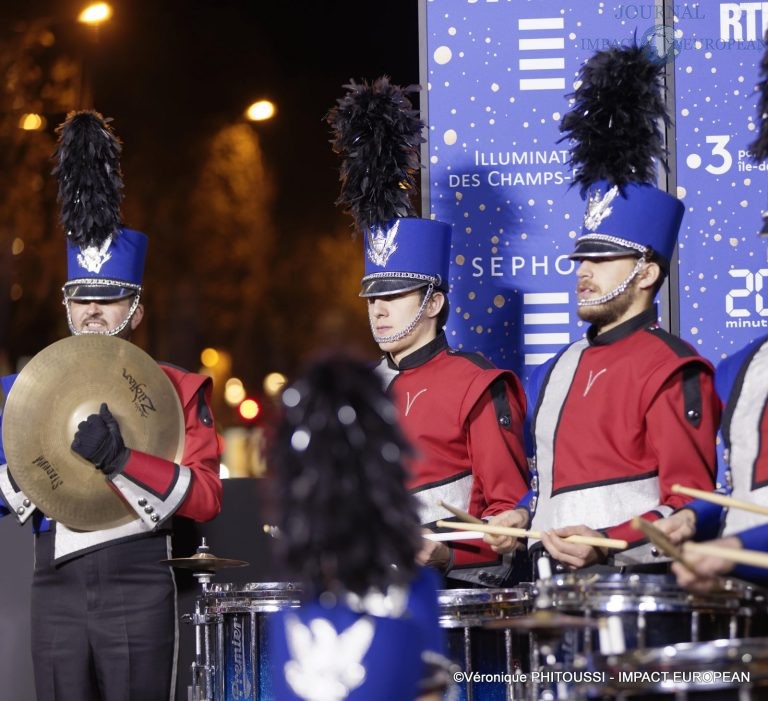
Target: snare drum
[232,639]
[653,610]
[488,652]
[719,670]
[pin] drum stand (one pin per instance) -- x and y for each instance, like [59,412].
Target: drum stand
[202,687]
[549,632]
[203,565]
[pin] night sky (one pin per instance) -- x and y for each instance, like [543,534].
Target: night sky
[170,72]
[173,73]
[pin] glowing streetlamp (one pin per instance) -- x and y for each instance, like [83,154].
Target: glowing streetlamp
[32,122]
[95,13]
[260,111]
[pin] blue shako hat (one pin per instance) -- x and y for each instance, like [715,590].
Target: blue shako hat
[378,133]
[104,259]
[638,219]
[405,254]
[110,271]
[616,142]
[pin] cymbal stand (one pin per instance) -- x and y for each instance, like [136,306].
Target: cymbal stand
[203,667]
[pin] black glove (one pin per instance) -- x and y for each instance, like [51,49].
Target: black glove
[98,440]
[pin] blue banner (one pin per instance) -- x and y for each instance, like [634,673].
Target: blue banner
[723,270]
[498,74]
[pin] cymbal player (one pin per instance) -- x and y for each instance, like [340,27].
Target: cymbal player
[104,625]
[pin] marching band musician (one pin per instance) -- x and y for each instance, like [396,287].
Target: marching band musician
[463,415]
[349,532]
[742,383]
[103,607]
[623,414]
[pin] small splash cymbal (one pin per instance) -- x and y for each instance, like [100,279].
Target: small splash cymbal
[204,562]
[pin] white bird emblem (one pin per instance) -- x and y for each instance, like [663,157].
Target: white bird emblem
[599,207]
[92,258]
[381,244]
[326,665]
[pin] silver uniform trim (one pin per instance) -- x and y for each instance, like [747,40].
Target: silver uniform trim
[17,502]
[745,443]
[456,493]
[555,392]
[68,542]
[598,507]
[150,509]
[386,373]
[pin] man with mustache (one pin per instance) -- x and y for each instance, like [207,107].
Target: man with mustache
[104,624]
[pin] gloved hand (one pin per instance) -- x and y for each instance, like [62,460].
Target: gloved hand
[98,440]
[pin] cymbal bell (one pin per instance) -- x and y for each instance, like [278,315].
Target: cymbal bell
[60,387]
[542,620]
[204,562]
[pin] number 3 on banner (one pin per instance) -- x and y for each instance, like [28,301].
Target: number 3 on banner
[720,141]
[752,283]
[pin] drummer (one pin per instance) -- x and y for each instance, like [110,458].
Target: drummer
[103,607]
[742,383]
[463,415]
[624,413]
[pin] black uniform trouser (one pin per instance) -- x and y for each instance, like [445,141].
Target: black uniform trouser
[104,623]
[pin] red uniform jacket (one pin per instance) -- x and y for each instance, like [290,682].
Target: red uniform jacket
[464,418]
[620,418]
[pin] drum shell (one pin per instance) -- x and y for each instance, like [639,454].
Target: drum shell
[236,636]
[476,649]
[712,671]
[654,611]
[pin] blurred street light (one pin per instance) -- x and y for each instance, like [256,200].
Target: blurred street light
[234,392]
[95,14]
[260,111]
[274,383]
[32,122]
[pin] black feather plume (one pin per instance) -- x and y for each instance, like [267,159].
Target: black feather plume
[378,134]
[615,123]
[90,181]
[759,147]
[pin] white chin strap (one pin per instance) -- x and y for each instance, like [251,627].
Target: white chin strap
[616,291]
[114,331]
[408,329]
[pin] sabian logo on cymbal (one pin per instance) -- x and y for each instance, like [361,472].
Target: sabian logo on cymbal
[141,400]
[49,470]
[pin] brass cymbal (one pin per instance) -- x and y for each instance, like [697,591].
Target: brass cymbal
[542,620]
[204,562]
[60,387]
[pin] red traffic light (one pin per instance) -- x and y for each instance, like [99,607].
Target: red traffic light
[249,409]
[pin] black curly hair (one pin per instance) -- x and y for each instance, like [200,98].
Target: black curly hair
[346,520]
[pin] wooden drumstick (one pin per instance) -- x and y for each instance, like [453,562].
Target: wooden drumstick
[744,557]
[611,543]
[452,535]
[660,540]
[458,513]
[721,499]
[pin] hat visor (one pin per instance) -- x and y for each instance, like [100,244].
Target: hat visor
[93,293]
[382,286]
[601,249]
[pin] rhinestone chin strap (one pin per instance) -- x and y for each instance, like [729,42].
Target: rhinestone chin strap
[616,291]
[113,332]
[408,329]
